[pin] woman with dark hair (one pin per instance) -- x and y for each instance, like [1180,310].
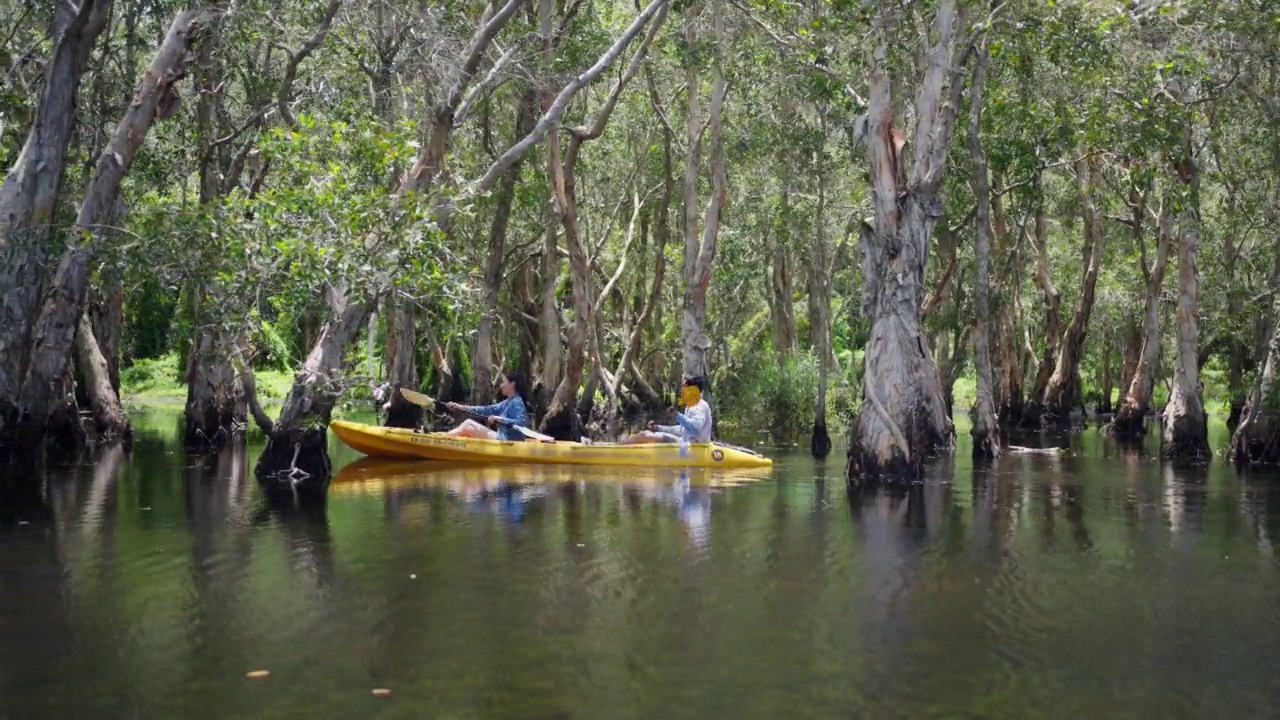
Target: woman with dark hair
[512,409]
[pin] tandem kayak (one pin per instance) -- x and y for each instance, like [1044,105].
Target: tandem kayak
[400,443]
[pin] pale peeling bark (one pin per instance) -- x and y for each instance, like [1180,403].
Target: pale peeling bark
[780,285]
[108,414]
[30,193]
[903,418]
[1136,404]
[986,438]
[213,400]
[1186,432]
[1063,387]
[45,390]
[700,250]
[820,306]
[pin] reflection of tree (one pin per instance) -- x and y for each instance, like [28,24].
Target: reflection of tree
[65,540]
[304,525]
[215,503]
[1259,503]
[1184,498]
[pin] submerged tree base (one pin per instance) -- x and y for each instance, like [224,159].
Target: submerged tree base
[1257,441]
[295,458]
[403,414]
[1186,440]
[1128,425]
[820,441]
[209,428]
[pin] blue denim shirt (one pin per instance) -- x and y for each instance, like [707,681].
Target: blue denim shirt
[512,409]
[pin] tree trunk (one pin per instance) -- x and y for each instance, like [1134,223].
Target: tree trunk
[903,416]
[1009,351]
[1130,419]
[213,401]
[402,364]
[482,380]
[107,317]
[986,438]
[1132,355]
[27,201]
[296,442]
[108,414]
[784,315]
[1063,387]
[45,391]
[820,305]
[1033,410]
[700,251]
[1108,382]
[1186,431]
[1257,440]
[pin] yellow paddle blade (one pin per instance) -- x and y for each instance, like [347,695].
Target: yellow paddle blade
[417,398]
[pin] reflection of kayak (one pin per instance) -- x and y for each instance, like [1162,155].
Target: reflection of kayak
[375,474]
[399,443]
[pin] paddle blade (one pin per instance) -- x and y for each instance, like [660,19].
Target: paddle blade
[532,434]
[417,398]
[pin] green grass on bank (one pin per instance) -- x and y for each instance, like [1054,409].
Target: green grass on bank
[160,381]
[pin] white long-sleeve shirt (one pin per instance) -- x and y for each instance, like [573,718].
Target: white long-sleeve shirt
[694,424]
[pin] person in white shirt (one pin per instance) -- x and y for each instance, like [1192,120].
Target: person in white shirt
[692,426]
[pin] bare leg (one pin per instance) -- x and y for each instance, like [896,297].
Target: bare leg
[645,438]
[473,429]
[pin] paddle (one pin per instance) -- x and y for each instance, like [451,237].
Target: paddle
[425,401]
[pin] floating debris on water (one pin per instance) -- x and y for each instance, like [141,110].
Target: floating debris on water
[257,674]
[381,692]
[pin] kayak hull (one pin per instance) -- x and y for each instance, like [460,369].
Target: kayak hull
[403,444]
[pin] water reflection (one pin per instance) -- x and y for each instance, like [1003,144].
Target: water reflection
[1089,581]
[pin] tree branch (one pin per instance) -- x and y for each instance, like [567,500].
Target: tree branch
[553,113]
[284,94]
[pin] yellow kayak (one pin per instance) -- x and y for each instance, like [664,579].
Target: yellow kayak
[399,443]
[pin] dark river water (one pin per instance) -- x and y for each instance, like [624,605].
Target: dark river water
[1090,584]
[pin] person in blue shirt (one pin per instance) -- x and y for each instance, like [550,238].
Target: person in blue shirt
[512,408]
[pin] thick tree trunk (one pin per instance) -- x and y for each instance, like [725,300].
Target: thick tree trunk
[985,431]
[482,379]
[1033,410]
[903,416]
[1063,387]
[1186,426]
[107,317]
[1009,351]
[108,414]
[296,448]
[1130,419]
[214,406]
[1132,355]
[45,390]
[402,364]
[27,201]
[700,250]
